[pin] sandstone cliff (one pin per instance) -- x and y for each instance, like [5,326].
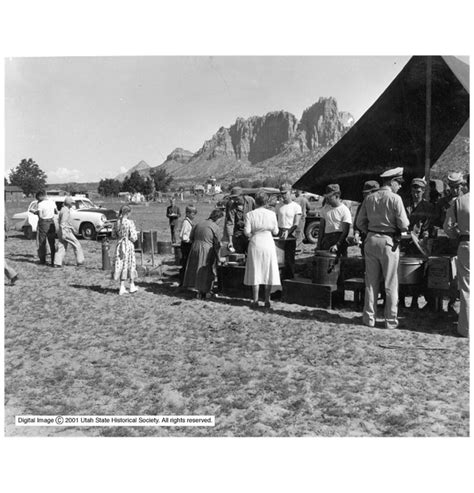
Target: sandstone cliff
[250,146]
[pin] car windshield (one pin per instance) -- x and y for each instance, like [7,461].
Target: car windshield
[85,204]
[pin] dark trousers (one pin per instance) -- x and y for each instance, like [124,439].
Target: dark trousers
[173,233]
[241,243]
[330,239]
[185,249]
[46,233]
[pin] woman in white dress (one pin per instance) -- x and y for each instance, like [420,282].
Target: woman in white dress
[262,263]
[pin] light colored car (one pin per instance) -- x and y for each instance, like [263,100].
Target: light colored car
[88,220]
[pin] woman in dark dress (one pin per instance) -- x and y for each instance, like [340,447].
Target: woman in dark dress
[200,269]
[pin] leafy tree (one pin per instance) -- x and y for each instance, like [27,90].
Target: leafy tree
[109,187]
[28,176]
[149,188]
[162,179]
[133,183]
[6,181]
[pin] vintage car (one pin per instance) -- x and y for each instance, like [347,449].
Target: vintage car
[89,220]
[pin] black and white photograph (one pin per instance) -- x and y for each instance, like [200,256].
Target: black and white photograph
[236,246]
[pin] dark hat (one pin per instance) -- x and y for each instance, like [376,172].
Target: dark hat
[455,178]
[370,186]
[418,182]
[332,189]
[393,174]
[236,191]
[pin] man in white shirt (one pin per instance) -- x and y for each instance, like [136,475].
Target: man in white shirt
[46,210]
[289,215]
[335,222]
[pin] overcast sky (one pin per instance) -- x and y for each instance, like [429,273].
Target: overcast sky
[87,118]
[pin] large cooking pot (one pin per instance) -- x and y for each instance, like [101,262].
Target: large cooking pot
[411,270]
[326,267]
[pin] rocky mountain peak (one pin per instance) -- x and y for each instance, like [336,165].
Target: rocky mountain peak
[180,155]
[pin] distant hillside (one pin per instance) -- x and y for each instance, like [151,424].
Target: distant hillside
[142,167]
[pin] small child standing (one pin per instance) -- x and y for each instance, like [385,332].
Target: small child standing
[184,236]
[125,267]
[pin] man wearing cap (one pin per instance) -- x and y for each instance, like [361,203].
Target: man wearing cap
[335,222]
[66,236]
[422,217]
[455,181]
[288,214]
[237,206]
[303,202]
[456,225]
[382,217]
[421,213]
[369,187]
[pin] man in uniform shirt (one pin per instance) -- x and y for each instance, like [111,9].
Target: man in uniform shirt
[66,236]
[456,225]
[382,217]
[421,213]
[46,210]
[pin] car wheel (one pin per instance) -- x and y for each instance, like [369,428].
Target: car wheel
[87,231]
[28,232]
[311,232]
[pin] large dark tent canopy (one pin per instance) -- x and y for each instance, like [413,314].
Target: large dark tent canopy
[393,131]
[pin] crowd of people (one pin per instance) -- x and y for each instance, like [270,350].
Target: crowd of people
[382,218]
[250,226]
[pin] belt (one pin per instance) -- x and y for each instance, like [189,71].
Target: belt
[464,238]
[386,233]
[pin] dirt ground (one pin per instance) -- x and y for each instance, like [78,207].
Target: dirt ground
[74,347]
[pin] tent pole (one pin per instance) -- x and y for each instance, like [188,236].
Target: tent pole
[428,127]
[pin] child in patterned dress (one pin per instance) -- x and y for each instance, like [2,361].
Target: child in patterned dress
[125,267]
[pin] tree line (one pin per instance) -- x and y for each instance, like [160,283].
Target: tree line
[158,181]
[31,178]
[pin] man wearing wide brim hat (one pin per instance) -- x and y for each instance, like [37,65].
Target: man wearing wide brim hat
[237,206]
[335,222]
[454,183]
[382,217]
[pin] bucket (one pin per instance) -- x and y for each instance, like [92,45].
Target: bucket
[165,247]
[149,241]
[411,270]
[326,267]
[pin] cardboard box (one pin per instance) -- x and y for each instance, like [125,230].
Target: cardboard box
[441,272]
